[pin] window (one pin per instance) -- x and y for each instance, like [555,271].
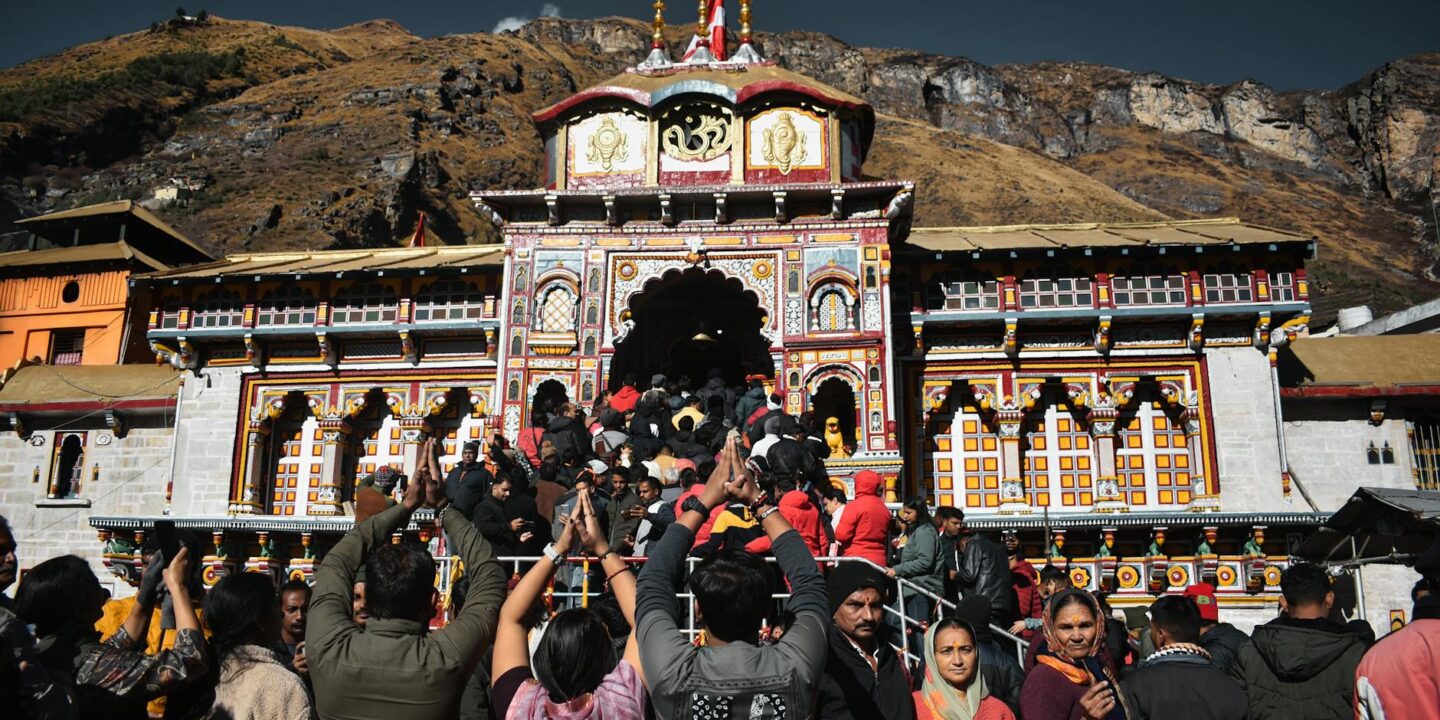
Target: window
[170,314]
[968,291]
[832,312]
[1282,284]
[366,303]
[557,310]
[1228,284]
[298,466]
[70,293]
[1056,287]
[1149,285]
[287,305]
[1060,461]
[67,468]
[449,300]
[67,347]
[217,309]
[1152,458]
[967,461]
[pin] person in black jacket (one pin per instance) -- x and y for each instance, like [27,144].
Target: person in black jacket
[863,678]
[1000,669]
[567,433]
[468,482]
[1178,682]
[504,535]
[1222,640]
[985,570]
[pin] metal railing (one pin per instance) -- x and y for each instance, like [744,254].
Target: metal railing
[582,595]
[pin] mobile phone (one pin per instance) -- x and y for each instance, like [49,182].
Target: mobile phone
[168,541]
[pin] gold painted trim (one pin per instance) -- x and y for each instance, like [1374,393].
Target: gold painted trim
[562,147]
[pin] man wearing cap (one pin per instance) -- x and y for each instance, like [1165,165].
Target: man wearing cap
[774,407]
[863,677]
[1179,682]
[468,484]
[1222,640]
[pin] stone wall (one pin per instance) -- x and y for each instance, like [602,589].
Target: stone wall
[205,436]
[1327,443]
[133,473]
[1242,404]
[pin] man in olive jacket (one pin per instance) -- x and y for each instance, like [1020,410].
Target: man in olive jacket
[395,667]
[1302,664]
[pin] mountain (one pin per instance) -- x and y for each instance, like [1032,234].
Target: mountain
[285,137]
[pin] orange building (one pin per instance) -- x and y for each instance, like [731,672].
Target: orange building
[63,301]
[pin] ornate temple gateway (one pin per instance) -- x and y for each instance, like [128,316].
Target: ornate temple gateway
[1109,391]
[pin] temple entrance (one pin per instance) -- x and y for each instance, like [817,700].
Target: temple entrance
[549,396]
[836,398]
[688,322]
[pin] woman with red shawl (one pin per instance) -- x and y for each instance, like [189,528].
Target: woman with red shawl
[1069,680]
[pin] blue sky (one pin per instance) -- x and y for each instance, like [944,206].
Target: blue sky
[1318,44]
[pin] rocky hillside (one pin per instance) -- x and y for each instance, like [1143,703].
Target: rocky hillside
[286,137]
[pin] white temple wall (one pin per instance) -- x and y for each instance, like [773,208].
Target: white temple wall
[1242,405]
[1328,443]
[133,472]
[209,419]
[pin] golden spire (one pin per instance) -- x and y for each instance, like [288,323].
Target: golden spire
[657,39]
[703,31]
[744,22]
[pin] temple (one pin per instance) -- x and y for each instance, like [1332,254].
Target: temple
[1118,393]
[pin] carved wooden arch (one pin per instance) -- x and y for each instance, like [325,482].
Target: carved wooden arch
[550,282]
[852,377]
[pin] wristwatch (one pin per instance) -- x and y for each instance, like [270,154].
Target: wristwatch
[553,554]
[693,503]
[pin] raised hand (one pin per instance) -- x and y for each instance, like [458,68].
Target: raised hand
[715,487]
[569,523]
[414,495]
[591,537]
[178,571]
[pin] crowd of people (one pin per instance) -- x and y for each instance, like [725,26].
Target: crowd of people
[808,602]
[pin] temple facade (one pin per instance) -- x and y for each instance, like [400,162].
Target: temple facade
[1111,391]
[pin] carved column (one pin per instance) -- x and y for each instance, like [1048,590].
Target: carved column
[335,434]
[1108,497]
[1203,498]
[1010,419]
[413,431]
[251,500]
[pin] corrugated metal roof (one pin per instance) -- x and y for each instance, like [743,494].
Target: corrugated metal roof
[1217,231]
[1364,361]
[118,207]
[79,254]
[49,384]
[334,261]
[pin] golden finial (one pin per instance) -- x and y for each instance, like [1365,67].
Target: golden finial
[703,33]
[657,39]
[744,22]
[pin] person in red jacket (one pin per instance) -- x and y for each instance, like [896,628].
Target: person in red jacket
[1026,581]
[796,507]
[627,396]
[864,529]
[702,535]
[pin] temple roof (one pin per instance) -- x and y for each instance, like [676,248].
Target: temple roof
[143,230]
[1216,231]
[36,388]
[271,264]
[736,83]
[116,251]
[1381,365]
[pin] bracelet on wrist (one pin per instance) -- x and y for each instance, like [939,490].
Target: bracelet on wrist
[554,554]
[765,512]
[761,499]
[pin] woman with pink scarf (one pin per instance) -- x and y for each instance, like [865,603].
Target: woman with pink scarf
[575,675]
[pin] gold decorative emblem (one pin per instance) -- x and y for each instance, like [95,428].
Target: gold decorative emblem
[607,145]
[626,270]
[763,269]
[697,137]
[784,145]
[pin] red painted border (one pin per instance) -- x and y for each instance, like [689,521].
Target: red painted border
[1358,391]
[88,406]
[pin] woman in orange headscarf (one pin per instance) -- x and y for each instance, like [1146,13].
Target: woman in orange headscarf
[1069,680]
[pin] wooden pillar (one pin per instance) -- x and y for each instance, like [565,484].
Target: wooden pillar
[1010,419]
[251,499]
[1203,496]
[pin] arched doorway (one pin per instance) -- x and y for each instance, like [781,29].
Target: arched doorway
[688,322]
[549,396]
[836,398]
[69,465]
